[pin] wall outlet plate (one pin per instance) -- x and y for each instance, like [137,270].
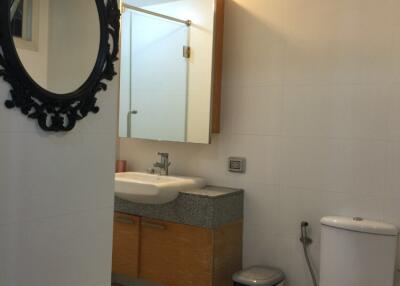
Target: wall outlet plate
[237,165]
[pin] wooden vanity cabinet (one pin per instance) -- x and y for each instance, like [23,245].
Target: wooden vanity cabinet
[126,245]
[174,254]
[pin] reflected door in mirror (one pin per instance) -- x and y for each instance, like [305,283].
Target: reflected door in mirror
[167,69]
[156,78]
[21,13]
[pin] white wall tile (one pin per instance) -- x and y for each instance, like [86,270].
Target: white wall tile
[338,111]
[42,175]
[394,112]
[392,178]
[212,161]
[296,205]
[290,257]
[260,201]
[257,110]
[56,198]
[67,250]
[352,205]
[254,45]
[391,212]
[262,154]
[328,42]
[227,111]
[396,41]
[265,254]
[353,166]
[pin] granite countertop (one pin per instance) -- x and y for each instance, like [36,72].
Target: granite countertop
[213,192]
[210,207]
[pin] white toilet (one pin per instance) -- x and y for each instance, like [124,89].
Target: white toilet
[357,252]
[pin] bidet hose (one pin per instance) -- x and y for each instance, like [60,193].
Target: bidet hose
[305,240]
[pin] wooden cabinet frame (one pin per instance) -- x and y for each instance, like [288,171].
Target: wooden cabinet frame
[218,60]
[175,254]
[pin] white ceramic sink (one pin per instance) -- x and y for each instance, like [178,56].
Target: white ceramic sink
[153,189]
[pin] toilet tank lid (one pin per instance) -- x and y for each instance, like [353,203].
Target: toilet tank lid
[360,225]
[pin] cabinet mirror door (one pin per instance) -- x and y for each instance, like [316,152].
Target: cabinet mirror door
[167,70]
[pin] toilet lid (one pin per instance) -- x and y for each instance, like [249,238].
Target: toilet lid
[259,276]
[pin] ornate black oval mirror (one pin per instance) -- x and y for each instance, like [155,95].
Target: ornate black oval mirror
[56,55]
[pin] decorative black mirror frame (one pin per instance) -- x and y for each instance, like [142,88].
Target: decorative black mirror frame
[56,112]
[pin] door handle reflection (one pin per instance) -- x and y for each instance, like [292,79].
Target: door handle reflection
[129,122]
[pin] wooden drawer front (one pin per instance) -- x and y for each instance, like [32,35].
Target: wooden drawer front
[175,254]
[126,245]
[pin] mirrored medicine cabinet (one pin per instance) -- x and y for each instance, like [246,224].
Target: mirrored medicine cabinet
[170,77]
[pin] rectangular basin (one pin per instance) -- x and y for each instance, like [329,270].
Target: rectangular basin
[146,188]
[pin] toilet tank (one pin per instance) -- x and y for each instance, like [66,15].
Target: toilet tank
[357,252]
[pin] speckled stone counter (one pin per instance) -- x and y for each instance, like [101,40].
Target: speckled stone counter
[210,207]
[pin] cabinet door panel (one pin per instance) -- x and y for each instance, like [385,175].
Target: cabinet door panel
[126,245]
[228,244]
[175,254]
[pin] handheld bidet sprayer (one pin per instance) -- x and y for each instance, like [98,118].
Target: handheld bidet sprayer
[306,241]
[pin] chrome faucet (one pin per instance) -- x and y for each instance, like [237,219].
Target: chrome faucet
[164,163]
